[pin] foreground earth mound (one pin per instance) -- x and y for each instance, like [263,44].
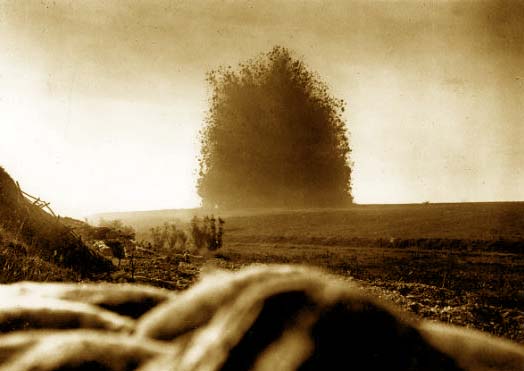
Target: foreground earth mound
[262,318]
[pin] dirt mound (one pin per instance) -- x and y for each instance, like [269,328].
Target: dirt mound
[38,233]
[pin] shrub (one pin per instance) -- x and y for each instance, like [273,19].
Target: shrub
[168,235]
[207,232]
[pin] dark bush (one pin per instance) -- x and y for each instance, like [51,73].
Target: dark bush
[207,232]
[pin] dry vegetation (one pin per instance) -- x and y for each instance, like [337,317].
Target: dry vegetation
[17,265]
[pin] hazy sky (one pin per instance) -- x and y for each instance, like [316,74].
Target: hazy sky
[101,101]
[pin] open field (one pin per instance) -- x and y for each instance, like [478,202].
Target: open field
[459,263]
[468,221]
[482,224]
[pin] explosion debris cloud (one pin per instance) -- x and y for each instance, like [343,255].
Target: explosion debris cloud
[113,94]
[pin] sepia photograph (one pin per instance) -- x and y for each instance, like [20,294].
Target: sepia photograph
[204,185]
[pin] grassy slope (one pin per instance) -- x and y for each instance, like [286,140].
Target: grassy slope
[40,235]
[17,265]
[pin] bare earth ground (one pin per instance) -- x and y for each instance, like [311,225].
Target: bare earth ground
[482,291]
[457,263]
